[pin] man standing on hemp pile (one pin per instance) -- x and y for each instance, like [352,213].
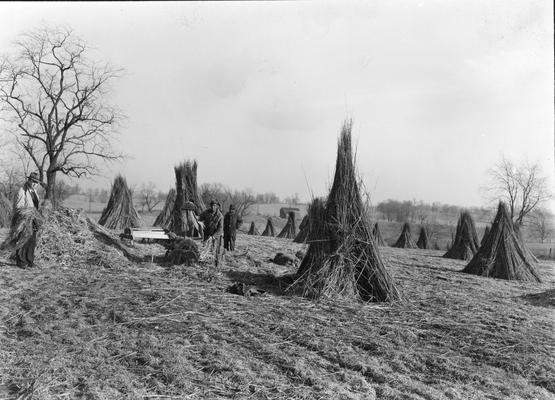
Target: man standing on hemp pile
[25,223]
[231,222]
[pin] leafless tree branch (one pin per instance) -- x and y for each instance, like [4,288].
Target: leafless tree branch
[54,99]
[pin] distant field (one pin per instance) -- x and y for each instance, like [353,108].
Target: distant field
[259,213]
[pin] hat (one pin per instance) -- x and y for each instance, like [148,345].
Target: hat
[232,206]
[212,202]
[34,176]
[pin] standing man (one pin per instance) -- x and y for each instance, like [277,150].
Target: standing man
[213,223]
[25,205]
[231,222]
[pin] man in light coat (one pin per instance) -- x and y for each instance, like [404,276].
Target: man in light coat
[27,198]
[213,222]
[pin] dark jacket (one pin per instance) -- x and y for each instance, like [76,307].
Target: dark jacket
[231,222]
[213,222]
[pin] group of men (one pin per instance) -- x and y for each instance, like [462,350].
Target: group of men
[215,224]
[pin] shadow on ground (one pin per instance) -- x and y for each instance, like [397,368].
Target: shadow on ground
[543,299]
[271,284]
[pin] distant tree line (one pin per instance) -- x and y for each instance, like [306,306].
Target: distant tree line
[540,224]
[421,212]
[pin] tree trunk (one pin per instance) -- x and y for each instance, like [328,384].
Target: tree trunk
[51,188]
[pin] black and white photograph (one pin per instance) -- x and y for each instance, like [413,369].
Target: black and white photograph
[277,200]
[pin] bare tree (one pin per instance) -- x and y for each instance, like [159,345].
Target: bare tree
[55,102]
[522,186]
[14,167]
[62,190]
[149,196]
[292,200]
[541,224]
[213,191]
[243,201]
[420,211]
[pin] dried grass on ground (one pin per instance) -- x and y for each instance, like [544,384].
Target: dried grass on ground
[269,230]
[405,240]
[503,254]
[423,241]
[289,231]
[120,330]
[342,259]
[253,230]
[164,219]
[120,212]
[485,235]
[187,193]
[302,236]
[465,245]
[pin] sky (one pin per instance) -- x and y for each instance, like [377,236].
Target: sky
[257,92]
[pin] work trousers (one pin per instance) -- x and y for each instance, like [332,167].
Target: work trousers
[26,254]
[229,241]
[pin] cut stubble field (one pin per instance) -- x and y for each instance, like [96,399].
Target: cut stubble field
[110,328]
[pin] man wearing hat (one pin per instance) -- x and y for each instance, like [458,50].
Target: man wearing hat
[26,200]
[231,222]
[213,220]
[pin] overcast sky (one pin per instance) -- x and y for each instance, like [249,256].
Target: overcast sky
[257,91]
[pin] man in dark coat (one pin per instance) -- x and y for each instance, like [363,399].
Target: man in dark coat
[231,222]
[213,224]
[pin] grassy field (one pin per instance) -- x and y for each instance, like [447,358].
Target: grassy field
[94,324]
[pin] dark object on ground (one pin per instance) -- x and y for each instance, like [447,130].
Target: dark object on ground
[423,242]
[342,259]
[183,251]
[543,299]
[269,230]
[465,244]
[289,231]
[165,217]
[503,255]
[120,212]
[244,290]
[127,236]
[284,259]
[405,240]
[303,231]
[377,236]
[253,230]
